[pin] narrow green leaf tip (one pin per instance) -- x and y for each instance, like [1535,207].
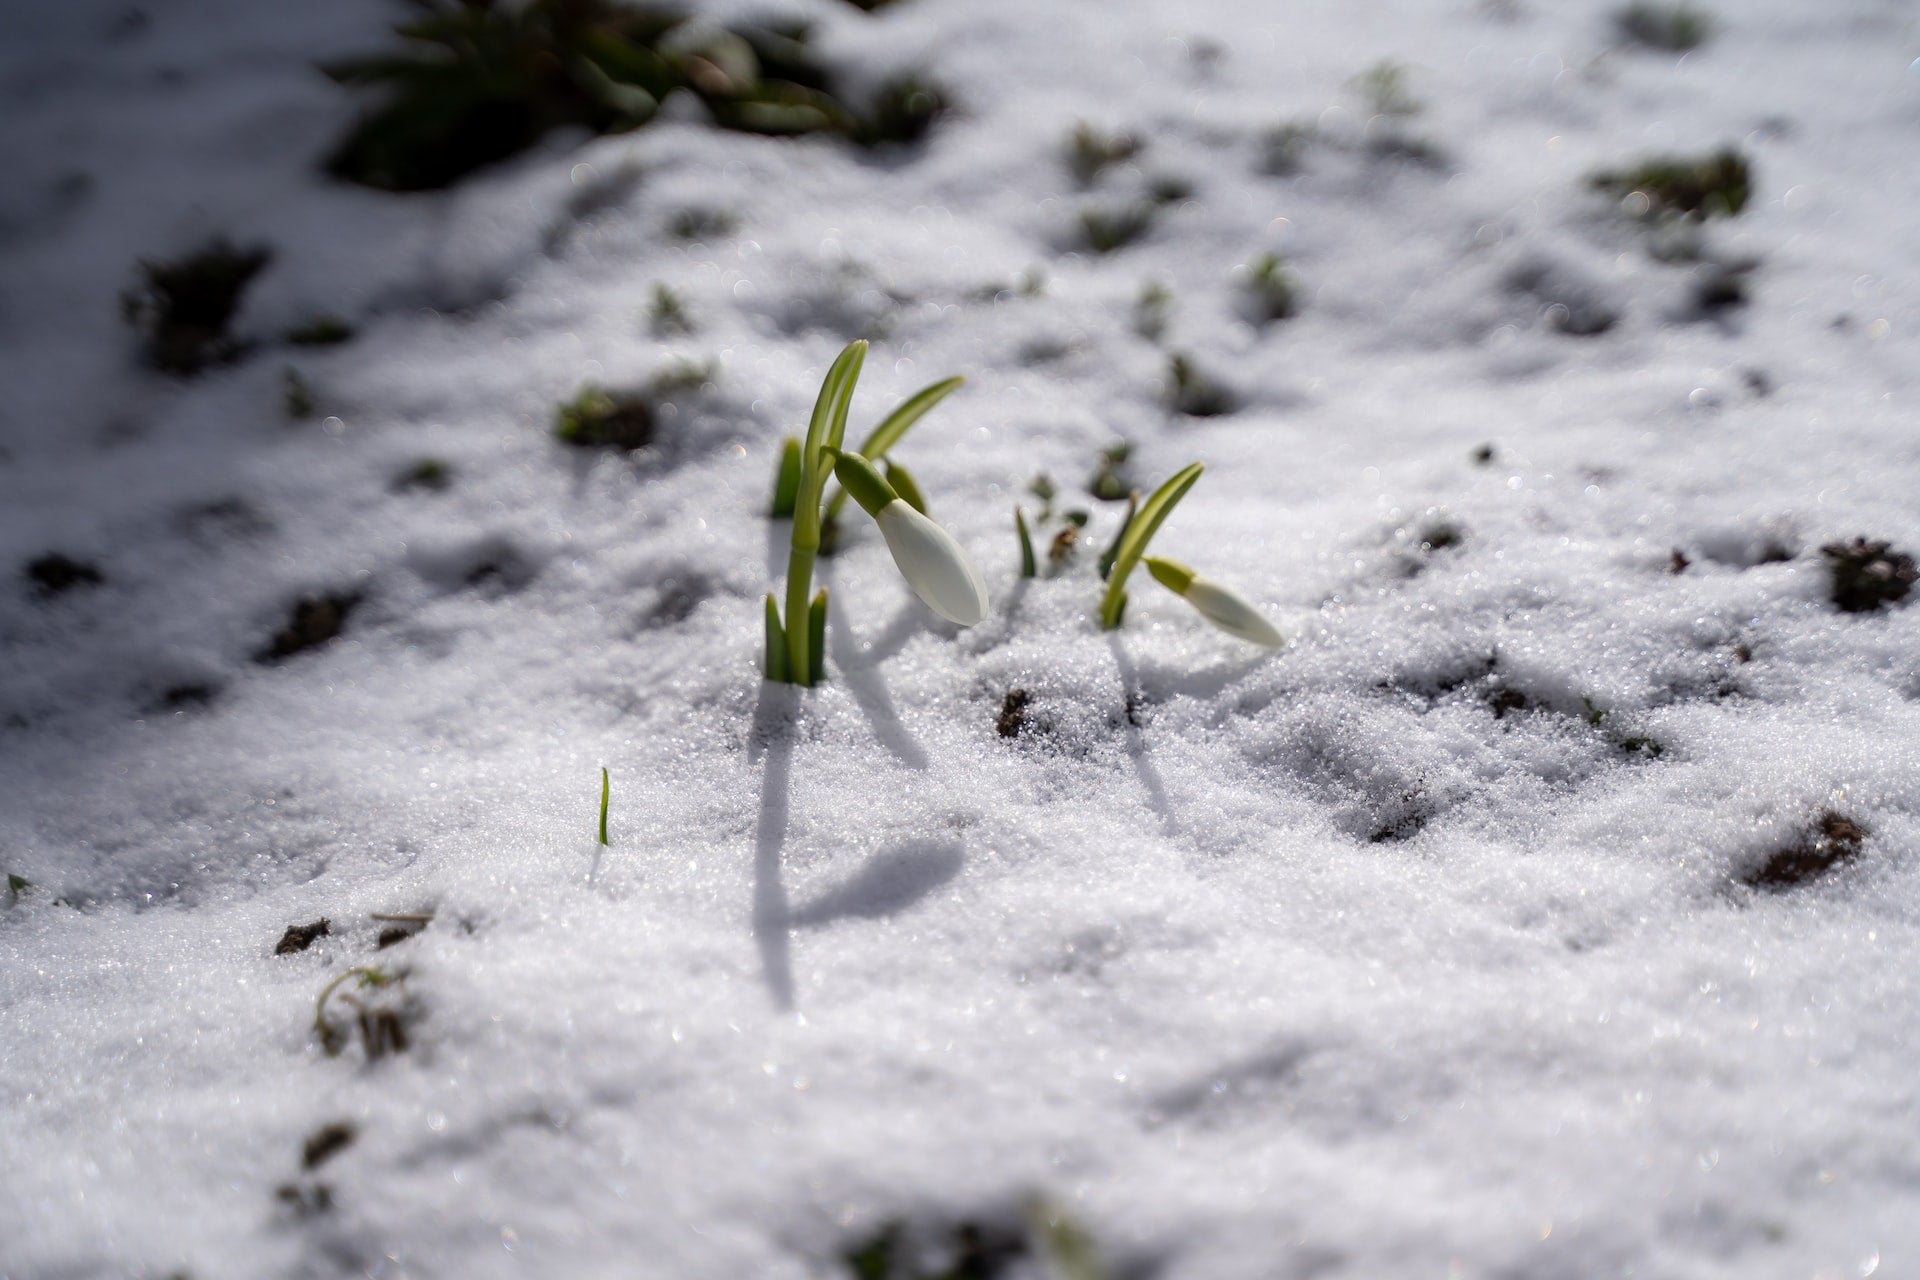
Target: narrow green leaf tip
[817,636]
[1140,530]
[1028,567]
[776,643]
[606,793]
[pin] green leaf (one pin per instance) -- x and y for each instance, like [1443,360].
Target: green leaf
[1140,530]
[606,794]
[1028,568]
[776,643]
[786,481]
[817,635]
[829,424]
[902,419]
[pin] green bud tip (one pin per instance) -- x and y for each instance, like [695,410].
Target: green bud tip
[857,476]
[1171,574]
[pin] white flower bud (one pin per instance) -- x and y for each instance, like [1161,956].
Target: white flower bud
[933,564]
[1232,612]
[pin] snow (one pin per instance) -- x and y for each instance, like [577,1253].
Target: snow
[1292,964]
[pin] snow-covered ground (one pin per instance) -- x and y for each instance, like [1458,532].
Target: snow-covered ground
[1457,938]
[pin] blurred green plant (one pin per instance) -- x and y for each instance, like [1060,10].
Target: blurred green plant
[1698,187]
[475,81]
[1673,27]
[1090,150]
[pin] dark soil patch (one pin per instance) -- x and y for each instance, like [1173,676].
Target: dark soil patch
[299,937]
[1013,713]
[314,621]
[55,574]
[1867,575]
[325,1143]
[1833,839]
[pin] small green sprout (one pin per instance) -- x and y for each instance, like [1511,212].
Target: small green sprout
[17,885]
[1110,481]
[1697,188]
[381,1030]
[1193,393]
[1089,151]
[667,314]
[1028,566]
[606,794]
[1675,28]
[1271,289]
[1106,229]
[1284,147]
[597,418]
[1133,542]
[1152,309]
[1385,89]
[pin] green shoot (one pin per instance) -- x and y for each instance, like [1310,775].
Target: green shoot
[776,667]
[1112,552]
[332,1038]
[1133,543]
[1110,481]
[1028,568]
[1151,310]
[667,314]
[606,793]
[824,432]
[1270,288]
[817,635]
[786,481]
[1696,187]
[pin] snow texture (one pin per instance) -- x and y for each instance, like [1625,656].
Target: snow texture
[1441,942]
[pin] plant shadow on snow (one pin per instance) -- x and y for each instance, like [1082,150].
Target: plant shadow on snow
[860,674]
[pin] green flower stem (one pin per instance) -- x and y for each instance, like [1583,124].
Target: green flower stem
[606,793]
[1133,544]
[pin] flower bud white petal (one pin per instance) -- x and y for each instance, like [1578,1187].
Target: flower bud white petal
[933,564]
[1232,612]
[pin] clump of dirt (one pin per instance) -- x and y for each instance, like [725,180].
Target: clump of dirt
[1013,713]
[326,1142]
[299,937]
[1867,575]
[1833,839]
[313,621]
[182,308]
[56,574]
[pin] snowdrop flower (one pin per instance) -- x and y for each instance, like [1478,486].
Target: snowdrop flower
[927,556]
[1216,602]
